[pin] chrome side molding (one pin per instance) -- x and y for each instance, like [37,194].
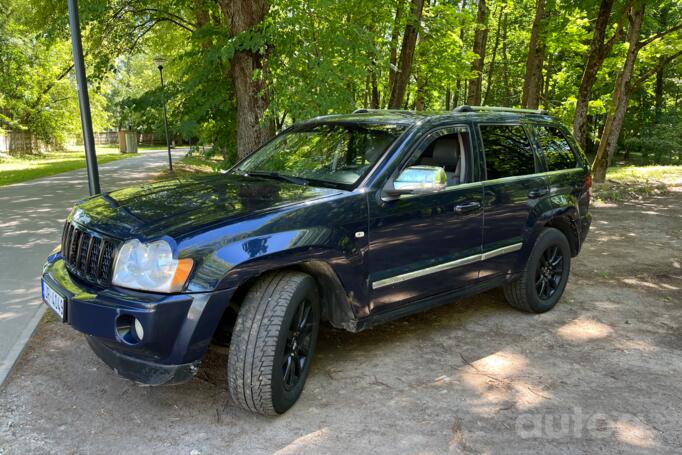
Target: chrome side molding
[446,265]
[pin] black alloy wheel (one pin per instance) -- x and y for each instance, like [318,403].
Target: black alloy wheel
[541,283]
[297,349]
[549,272]
[273,342]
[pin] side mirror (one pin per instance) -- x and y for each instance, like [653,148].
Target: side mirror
[417,180]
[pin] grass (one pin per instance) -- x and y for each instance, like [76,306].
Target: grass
[29,167]
[636,182]
[192,164]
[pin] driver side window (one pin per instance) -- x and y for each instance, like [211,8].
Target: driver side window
[449,151]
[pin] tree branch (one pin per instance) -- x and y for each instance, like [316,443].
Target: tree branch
[618,33]
[169,17]
[659,35]
[643,77]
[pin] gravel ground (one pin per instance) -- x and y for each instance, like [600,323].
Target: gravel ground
[599,373]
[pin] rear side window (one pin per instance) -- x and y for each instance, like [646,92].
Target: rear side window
[507,151]
[558,153]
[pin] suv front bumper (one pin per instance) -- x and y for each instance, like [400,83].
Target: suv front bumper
[177,327]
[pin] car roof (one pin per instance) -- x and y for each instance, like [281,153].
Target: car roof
[405,117]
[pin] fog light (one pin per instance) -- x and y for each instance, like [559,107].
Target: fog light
[128,329]
[139,330]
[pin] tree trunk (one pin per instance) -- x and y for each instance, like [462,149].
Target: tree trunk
[458,86]
[598,52]
[376,101]
[448,99]
[253,129]
[393,53]
[547,81]
[614,120]
[658,91]
[532,83]
[420,96]
[491,67]
[201,13]
[480,40]
[505,64]
[406,54]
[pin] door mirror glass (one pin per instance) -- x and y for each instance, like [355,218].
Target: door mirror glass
[419,180]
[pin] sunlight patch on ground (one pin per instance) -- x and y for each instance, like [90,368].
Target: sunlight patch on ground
[496,379]
[582,330]
[528,396]
[305,442]
[635,434]
[648,284]
[7,315]
[639,345]
[501,364]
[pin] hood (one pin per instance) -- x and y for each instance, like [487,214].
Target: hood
[181,205]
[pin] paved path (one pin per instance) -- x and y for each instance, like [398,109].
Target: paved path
[31,219]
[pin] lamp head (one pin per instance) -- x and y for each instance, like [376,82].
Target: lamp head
[159,62]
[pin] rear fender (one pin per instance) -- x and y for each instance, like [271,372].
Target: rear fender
[562,218]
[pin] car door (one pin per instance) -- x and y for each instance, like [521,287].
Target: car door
[565,167]
[426,244]
[511,191]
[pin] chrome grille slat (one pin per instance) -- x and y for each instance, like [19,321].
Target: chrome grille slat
[86,266]
[87,255]
[83,242]
[73,248]
[93,257]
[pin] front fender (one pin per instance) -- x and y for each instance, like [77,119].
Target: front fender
[236,262]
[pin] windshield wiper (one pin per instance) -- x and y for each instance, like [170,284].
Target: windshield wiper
[278,176]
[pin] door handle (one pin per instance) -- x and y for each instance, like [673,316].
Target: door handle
[535,194]
[467,207]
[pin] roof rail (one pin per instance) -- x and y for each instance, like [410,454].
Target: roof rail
[467,108]
[364,110]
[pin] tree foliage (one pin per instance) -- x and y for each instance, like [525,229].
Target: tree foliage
[315,57]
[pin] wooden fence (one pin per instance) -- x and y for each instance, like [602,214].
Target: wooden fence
[20,143]
[111,138]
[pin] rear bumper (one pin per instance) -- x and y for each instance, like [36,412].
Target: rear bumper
[177,327]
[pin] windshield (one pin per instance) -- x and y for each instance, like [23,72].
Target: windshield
[336,154]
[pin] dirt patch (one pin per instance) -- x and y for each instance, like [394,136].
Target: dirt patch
[601,372]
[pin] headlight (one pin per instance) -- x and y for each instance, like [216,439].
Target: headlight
[150,267]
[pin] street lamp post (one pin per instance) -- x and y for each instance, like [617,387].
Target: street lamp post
[159,62]
[83,99]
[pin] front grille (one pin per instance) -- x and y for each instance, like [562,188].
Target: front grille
[87,255]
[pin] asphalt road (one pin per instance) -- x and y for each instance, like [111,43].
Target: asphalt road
[31,219]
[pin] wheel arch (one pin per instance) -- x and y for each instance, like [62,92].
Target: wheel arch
[566,222]
[563,219]
[337,303]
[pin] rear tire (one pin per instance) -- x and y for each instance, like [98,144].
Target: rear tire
[273,342]
[543,279]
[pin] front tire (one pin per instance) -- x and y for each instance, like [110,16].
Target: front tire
[273,342]
[545,275]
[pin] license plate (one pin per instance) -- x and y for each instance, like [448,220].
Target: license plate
[53,300]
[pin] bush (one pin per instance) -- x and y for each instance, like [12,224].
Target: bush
[659,144]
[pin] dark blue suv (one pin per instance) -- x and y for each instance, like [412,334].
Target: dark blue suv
[351,219]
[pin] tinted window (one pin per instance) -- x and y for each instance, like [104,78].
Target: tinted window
[333,153]
[507,151]
[558,153]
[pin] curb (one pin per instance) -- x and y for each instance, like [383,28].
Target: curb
[16,350]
